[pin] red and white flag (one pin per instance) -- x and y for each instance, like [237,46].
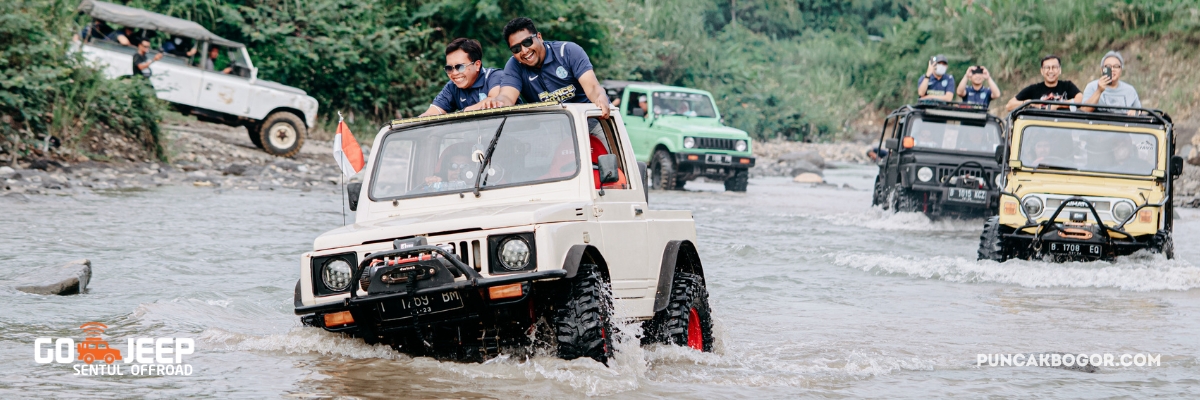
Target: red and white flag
[346,150]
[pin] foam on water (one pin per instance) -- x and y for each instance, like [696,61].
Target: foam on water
[1139,272]
[880,219]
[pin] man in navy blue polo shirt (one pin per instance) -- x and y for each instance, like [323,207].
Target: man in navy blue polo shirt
[936,84]
[471,86]
[547,70]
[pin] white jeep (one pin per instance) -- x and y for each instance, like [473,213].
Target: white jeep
[483,230]
[277,116]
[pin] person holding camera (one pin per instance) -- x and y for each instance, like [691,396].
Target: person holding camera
[976,92]
[936,84]
[1109,89]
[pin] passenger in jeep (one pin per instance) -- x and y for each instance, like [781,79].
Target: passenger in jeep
[1126,159]
[471,86]
[1049,89]
[453,172]
[547,70]
[1110,89]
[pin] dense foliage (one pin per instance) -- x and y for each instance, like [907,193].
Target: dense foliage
[795,68]
[47,91]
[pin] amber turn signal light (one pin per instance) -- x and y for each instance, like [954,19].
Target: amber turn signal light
[909,142]
[505,291]
[1010,208]
[744,161]
[693,157]
[1145,216]
[338,319]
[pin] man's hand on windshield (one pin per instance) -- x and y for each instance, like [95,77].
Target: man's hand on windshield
[485,104]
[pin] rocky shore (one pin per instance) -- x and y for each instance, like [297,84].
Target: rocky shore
[201,154]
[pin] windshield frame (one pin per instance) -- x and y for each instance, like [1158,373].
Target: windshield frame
[1018,148]
[377,160]
[655,95]
[915,119]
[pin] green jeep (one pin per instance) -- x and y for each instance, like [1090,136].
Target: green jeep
[683,138]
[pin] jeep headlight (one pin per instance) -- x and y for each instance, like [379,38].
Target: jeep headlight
[1122,210]
[336,274]
[999,180]
[1032,206]
[925,174]
[689,142]
[740,145]
[514,254]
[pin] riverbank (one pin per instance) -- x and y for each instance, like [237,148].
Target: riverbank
[200,154]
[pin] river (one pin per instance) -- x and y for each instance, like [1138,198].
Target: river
[815,294]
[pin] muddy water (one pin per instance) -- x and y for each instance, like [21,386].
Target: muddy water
[815,294]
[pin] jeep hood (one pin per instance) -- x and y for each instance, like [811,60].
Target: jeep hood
[1050,183]
[695,126]
[487,217]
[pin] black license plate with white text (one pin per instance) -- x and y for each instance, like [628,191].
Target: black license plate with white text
[967,195]
[419,305]
[1076,249]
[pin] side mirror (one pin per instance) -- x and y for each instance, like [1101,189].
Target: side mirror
[352,190]
[891,144]
[999,155]
[1176,166]
[638,112]
[608,168]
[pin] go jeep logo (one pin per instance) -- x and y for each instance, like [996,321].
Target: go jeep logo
[153,356]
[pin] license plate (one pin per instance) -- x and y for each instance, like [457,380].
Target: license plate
[419,305]
[1078,249]
[718,159]
[968,195]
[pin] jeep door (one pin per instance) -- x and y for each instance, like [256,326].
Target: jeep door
[641,135]
[621,213]
[228,93]
[177,80]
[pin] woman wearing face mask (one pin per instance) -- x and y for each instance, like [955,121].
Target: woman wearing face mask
[936,84]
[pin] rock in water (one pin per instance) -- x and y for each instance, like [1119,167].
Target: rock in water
[66,279]
[808,177]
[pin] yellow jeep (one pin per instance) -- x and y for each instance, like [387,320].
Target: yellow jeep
[1083,185]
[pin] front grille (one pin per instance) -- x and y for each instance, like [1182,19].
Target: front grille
[715,143]
[944,172]
[469,252]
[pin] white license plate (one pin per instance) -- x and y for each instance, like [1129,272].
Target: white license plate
[968,195]
[718,159]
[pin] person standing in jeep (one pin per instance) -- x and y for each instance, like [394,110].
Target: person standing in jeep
[936,84]
[1049,89]
[471,86]
[547,70]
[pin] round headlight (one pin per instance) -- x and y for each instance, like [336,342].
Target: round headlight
[1122,211]
[925,174]
[999,180]
[514,254]
[689,142]
[1033,206]
[740,146]
[336,274]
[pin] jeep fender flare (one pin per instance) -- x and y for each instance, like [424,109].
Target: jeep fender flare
[679,255]
[575,256]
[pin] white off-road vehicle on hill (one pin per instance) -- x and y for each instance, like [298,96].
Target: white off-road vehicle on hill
[485,230]
[277,116]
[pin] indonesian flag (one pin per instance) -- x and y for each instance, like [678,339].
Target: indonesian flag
[346,150]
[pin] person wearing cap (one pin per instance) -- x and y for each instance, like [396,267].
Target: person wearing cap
[471,86]
[1050,88]
[1109,89]
[976,92]
[936,84]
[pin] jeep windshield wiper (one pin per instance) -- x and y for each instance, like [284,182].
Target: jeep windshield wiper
[1058,167]
[487,157]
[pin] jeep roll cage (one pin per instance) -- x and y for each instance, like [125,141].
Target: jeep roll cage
[1145,116]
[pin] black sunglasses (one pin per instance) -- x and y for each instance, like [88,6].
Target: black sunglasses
[527,42]
[460,67]
[455,166]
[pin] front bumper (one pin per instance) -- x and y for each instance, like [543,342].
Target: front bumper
[471,298]
[717,165]
[1081,240]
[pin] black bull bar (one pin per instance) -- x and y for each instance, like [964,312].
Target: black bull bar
[1050,226]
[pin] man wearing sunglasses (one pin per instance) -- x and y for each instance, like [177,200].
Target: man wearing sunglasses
[547,70]
[471,86]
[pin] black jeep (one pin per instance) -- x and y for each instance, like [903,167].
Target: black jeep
[938,158]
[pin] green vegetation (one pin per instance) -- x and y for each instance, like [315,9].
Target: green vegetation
[45,91]
[807,69]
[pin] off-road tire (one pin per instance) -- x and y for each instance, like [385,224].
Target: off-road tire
[738,182]
[674,325]
[662,172]
[900,200]
[282,134]
[253,131]
[1164,244]
[990,244]
[877,194]
[582,316]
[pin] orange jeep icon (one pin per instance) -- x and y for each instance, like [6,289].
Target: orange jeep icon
[93,347]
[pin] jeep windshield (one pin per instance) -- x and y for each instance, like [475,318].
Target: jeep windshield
[1089,150]
[445,158]
[685,104]
[953,135]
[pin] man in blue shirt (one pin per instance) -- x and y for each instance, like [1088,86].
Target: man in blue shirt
[471,86]
[547,70]
[981,89]
[936,84]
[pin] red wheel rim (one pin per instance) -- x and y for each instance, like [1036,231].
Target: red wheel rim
[695,337]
